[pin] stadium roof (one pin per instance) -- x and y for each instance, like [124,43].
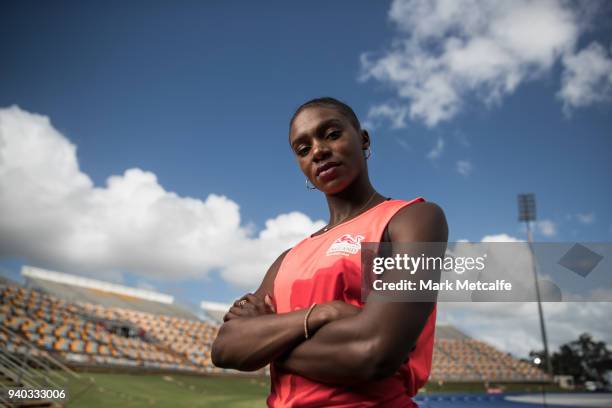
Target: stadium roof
[79,289]
[215,310]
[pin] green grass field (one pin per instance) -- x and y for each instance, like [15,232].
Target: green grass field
[175,390]
[158,390]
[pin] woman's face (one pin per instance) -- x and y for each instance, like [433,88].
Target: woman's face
[328,148]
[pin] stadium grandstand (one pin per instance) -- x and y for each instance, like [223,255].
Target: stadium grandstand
[83,322]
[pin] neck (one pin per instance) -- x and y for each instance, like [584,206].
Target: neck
[356,198]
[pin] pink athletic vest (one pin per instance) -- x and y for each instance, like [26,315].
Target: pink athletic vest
[327,267]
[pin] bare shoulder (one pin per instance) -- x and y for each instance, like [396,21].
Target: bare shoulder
[267,284]
[421,222]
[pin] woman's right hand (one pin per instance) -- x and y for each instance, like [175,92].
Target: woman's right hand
[250,306]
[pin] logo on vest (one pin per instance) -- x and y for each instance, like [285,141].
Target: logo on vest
[345,245]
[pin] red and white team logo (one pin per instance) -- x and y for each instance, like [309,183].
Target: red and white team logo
[345,245]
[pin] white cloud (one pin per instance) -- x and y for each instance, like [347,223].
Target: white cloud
[547,228]
[490,321]
[52,215]
[565,321]
[448,52]
[437,150]
[256,255]
[464,167]
[392,112]
[586,218]
[587,78]
[503,237]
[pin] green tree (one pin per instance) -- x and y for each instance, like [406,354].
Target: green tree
[583,359]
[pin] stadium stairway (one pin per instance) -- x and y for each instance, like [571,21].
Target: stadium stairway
[33,369]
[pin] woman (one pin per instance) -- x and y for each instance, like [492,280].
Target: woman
[326,347]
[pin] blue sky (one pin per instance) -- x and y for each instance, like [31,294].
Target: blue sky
[199,94]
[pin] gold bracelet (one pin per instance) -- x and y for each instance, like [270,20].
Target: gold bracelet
[306,334]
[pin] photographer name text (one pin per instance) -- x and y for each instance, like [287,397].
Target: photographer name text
[432,285]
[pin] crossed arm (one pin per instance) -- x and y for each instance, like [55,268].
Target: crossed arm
[350,345]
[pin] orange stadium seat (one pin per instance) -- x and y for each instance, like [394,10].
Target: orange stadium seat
[173,342]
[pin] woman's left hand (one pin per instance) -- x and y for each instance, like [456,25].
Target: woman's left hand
[250,306]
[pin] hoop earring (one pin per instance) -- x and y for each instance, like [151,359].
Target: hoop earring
[368,153]
[308,185]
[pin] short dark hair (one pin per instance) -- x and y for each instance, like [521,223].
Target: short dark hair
[329,102]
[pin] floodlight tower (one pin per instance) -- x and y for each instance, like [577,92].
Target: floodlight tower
[527,214]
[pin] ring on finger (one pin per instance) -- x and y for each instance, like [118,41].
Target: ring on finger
[242,302]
